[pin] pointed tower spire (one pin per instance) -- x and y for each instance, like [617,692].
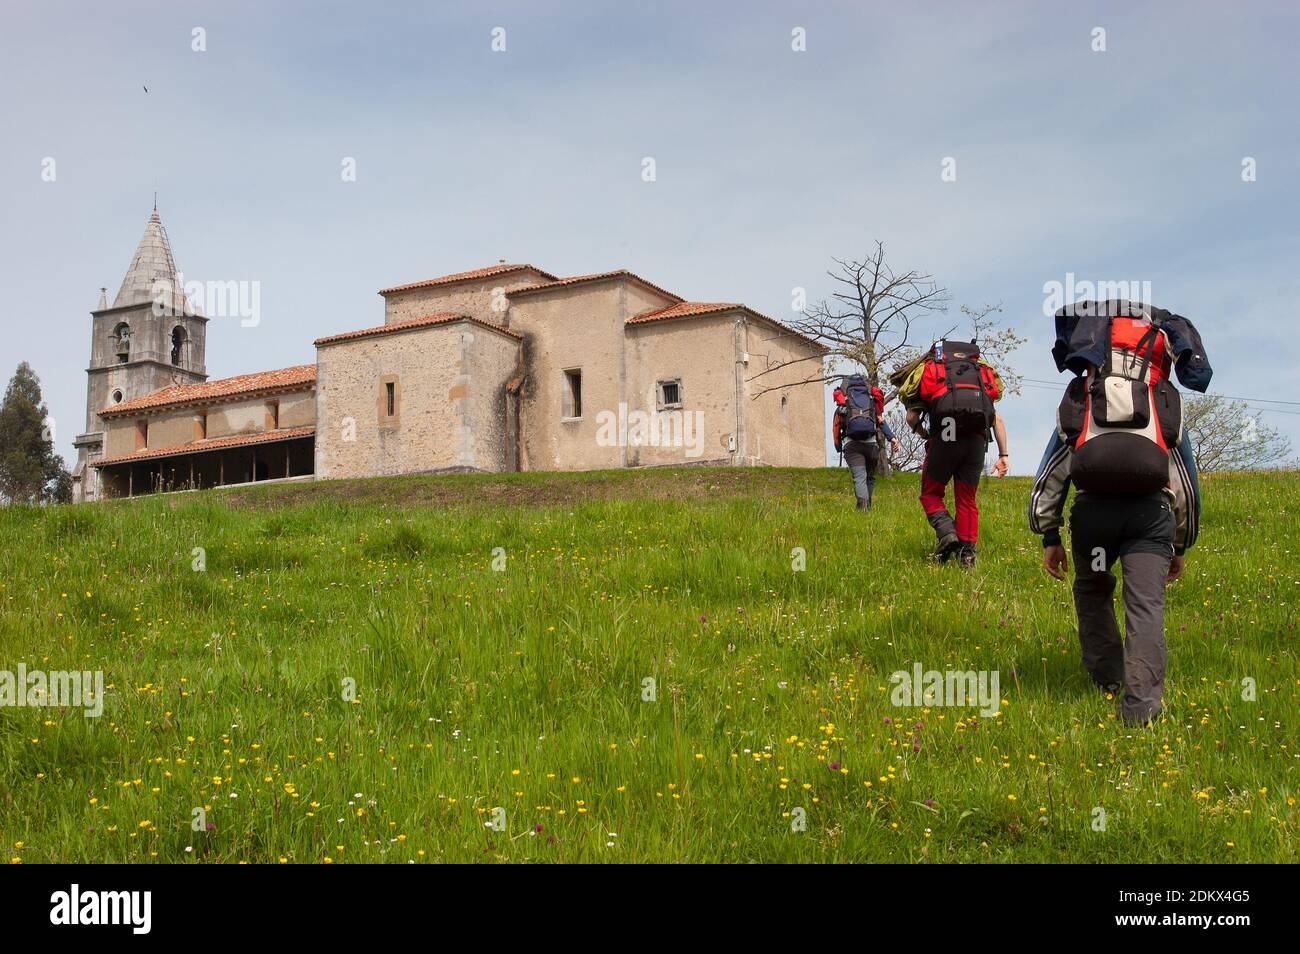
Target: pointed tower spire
[152,273]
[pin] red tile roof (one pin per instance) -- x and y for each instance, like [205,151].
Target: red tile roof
[466,277]
[299,376]
[684,309]
[210,444]
[690,309]
[442,317]
[596,277]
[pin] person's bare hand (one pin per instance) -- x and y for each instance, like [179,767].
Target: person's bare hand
[1176,566]
[1000,468]
[894,445]
[1055,561]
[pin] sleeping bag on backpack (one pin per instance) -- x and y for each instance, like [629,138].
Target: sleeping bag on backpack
[1083,328]
[907,381]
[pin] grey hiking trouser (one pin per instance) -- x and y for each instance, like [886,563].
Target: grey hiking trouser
[1139,533]
[861,456]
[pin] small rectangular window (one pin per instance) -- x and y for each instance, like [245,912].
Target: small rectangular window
[272,415]
[200,426]
[670,393]
[141,434]
[390,400]
[573,393]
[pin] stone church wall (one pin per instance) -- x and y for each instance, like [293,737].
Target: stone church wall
[449,383]
[474,298]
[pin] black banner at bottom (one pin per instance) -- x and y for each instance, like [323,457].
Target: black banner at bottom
[340,903]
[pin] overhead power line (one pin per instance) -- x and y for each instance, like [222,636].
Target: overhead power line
[1039,385]
[1226,397]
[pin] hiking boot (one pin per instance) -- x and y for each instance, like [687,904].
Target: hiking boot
[946,547]
[966,555]
[864,504]
[1139,720]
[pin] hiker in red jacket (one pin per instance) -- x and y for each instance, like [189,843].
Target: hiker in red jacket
[957,389]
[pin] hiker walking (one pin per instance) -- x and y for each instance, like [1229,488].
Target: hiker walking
[858,416]
[949,395]
[1120,440]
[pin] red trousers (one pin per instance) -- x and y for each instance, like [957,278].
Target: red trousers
[968,511]
[960,461]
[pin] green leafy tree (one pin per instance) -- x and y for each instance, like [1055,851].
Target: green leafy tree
[30,470]
[1227,436]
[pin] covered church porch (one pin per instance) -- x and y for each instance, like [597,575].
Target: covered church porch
[220,462]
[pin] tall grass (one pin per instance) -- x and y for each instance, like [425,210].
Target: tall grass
[523,688]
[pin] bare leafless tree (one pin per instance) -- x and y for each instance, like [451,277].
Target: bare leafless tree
[866,323]
[871,323]
[911,446]
[1225,435]
[867,320]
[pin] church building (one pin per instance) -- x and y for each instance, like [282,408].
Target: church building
[502,368]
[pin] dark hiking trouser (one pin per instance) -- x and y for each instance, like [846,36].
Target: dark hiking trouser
[1139,532]
[962,462]
[861,456]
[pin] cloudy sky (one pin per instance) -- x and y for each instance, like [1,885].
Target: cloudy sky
[1116,165]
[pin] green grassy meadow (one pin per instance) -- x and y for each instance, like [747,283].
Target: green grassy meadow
[522,688]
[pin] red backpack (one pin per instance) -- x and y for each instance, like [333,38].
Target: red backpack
[1122,417]
[956,386]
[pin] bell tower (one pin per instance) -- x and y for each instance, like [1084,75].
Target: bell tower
[150,338]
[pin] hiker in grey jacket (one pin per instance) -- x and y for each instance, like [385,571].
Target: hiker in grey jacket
[1148,534]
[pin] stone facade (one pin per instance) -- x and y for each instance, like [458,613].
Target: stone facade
[701,354]
[446,410]
[502,368]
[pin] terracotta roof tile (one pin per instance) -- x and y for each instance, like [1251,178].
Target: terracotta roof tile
[690,309]
[210,444]
[442,317]
[597,276]
[472,274]
[684,309]
[301,374]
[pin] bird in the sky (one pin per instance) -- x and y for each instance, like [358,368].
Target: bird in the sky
[145,88]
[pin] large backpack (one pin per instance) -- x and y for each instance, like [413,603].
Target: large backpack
[860,410]
[958,390]
[1123,416]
